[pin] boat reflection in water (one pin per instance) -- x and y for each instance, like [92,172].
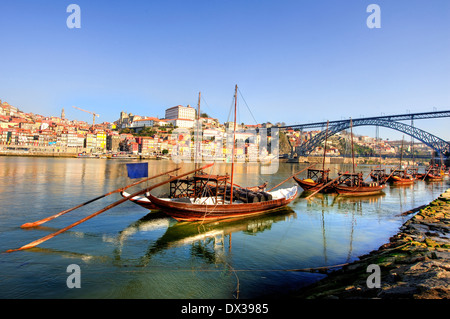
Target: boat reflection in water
[345,203]
[208,239]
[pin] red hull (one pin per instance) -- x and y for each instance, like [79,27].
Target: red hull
[434,178]
[194,212]
[312,187]
[402,181]
[359,191]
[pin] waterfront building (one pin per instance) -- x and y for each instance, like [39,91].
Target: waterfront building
[180,112]
[91,141]
[100,141]
[113,142]
[181,122]
[147,145]
[148,122]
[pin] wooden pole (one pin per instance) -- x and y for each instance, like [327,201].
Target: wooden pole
[43,239]
[426,173]
[234,138]
[391,173]
[322,187]
[370,173]
[42,221]
[351,135]
[197,142]
[324,154]
[291,177]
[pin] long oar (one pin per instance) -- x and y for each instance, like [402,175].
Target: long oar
[291,177]
[392,173]
[370,173]
[41,240]
[42,221]
[425,176]
[327,184]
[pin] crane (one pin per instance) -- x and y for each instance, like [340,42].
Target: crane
[93,114]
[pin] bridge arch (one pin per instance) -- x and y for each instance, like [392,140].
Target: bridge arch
[436,143]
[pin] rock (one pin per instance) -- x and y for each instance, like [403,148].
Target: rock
[401,290]
[415,263]
[439,215]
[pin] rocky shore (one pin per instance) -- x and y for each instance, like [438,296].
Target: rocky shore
[415,264]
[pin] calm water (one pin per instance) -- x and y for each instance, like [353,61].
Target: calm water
[130,252]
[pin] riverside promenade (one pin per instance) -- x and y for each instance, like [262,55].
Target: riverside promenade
[415,264]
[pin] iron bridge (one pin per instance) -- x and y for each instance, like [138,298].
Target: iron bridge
[390,121]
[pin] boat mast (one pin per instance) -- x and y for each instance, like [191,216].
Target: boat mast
[324,154]
[197,146]
[234,137]
[401,153]
[351,136]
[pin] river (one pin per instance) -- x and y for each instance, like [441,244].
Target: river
[131,252]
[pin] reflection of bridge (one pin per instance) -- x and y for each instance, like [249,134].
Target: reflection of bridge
[389,121]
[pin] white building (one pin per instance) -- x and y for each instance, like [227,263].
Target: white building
[180,112]
[187,123]
[150,121]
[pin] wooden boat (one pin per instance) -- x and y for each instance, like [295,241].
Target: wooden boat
[315,179]
[433,177]
[206,208]
[146,203]
[211,199]
[401,177]
[352,184]
[379,175]
[413,171]
[433,174]
[402,180]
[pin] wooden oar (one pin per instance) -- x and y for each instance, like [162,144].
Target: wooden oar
[332,181]
[427,173]
[42,221]
[392,173]
[370,173]
[43,239]
[291,177]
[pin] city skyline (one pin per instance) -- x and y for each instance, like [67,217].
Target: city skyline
[294,62]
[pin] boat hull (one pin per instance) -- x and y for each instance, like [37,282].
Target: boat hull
[312,187]
[140,200]
[195,212]
[402,181]
[434,178]
[359,191]
[146,203]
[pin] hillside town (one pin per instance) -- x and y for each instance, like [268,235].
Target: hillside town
[135,135]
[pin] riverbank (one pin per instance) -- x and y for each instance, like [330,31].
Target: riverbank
[76,155]
[415,264]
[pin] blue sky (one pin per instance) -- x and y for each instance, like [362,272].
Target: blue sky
[294,61]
